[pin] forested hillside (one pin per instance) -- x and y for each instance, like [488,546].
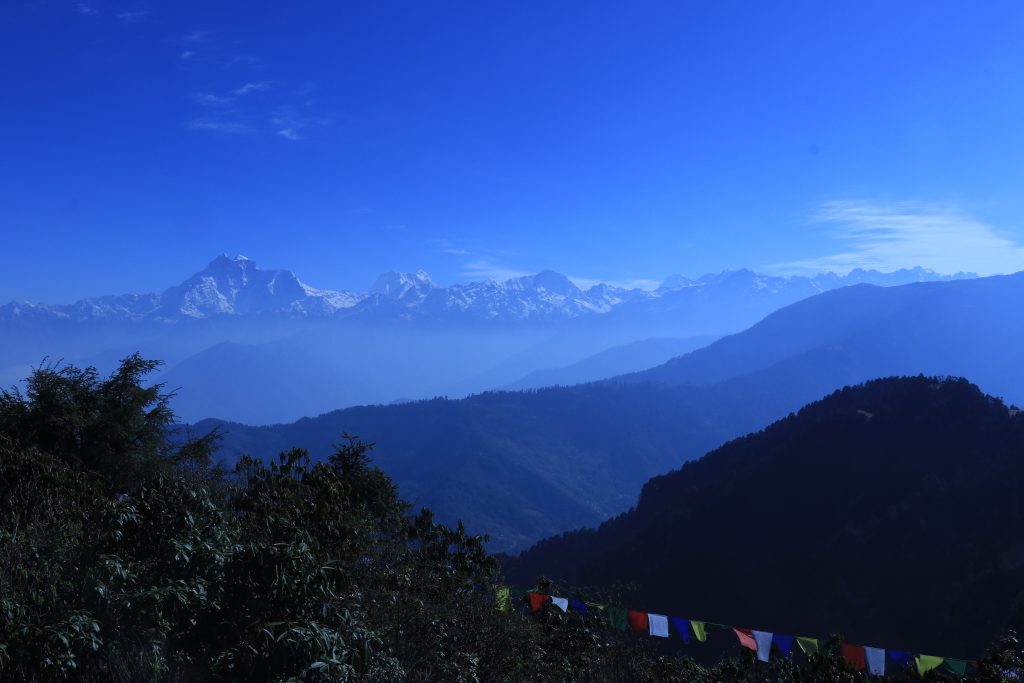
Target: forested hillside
[891,512]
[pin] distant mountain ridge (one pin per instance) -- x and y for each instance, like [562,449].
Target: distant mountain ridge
[237,287]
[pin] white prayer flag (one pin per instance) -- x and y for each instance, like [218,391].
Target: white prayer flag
[658,625]
[764,644]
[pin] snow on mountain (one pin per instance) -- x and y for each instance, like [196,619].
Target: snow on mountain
[237,287]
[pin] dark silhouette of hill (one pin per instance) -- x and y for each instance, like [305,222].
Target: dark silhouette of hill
[890,512]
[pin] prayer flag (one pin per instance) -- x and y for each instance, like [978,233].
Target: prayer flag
[746,638]
[578,605]
[854,656]
[502,598]
[764,644]
[957,666]
[808,645]
[658,625]
[926,663]
[617,618]
[784,643]
[875,657]
[561,603]
[899,656]
[538,600]
[638,620]
[699,630]
[682,628]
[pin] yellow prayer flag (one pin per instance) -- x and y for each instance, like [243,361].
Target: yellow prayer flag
[926,663]
[808,645]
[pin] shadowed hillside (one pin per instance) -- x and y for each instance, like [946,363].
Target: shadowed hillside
[890,512]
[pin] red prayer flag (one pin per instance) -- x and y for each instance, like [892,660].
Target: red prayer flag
[538,600]
[638,620]
[854,656]
[746,637]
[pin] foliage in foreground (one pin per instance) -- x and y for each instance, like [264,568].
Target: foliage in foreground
[124,556]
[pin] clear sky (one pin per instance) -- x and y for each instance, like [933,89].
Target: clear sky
[615,141]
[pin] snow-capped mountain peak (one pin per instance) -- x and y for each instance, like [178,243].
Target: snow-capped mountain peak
[396,285]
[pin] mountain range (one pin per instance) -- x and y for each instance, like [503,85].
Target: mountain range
[404,338]
[237,287]
[523,465]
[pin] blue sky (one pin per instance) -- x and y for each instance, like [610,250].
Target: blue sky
[609,141]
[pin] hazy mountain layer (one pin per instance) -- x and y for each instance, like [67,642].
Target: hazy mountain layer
[617,360]
[403,338]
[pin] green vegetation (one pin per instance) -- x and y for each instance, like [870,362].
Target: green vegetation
[124,556]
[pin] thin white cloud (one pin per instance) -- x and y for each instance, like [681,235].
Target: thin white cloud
[890,237]
[187,54]
[485,270]
[231,127]
[211,100]
[133,16]
[293,126]
[454,252]
[251,87]
[85,9]
[634,283]
[197,36]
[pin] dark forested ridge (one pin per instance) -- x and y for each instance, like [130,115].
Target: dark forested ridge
[891,512]
[524,465]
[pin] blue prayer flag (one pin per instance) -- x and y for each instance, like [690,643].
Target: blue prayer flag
[682,626]
[784,643]
[577,605]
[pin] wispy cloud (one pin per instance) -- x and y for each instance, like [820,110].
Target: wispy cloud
[249,104]
[251,87]
[292,124]
[483,269]
[212,100]
[633,283]
[85,9]
[134,15]
[894,236]
[229,127]
[455,252]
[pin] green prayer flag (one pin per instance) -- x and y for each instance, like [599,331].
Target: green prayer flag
[502,598]
[957,666]
[617,618]
[808,645]
[698,630]
[926,663]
